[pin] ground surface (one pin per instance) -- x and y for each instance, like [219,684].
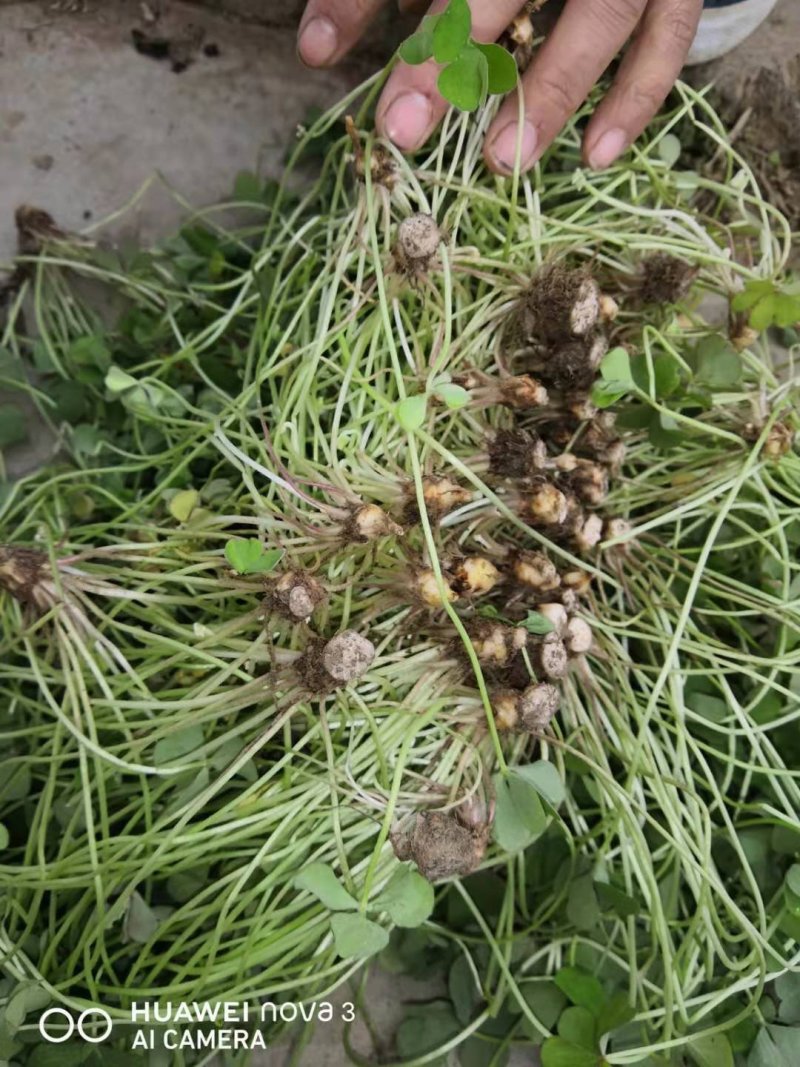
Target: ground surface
[85,120]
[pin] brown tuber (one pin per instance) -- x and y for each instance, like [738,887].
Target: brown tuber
[536,571]
[547,505]
[589,534]
[326,665]
[665,279]
[442,846]
[368,522]
[609,308]
[549,656]
[536,707]
[556,615]
[588,480]
[21,571]
[505,709]
[426,589]
[618,530]
[296,596]
[577,581]
[516,453]
[560,303]
[778,442]
[418,239]
[527,712]
[572,364]
[523,392]
[578,636]
[496,645]
[473,575]
[442,495]
[347,656]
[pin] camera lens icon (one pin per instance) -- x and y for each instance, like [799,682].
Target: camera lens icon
[69,1024]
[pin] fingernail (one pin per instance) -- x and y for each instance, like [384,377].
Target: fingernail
[407,120]
[318,41]
[606,149]
[503,148]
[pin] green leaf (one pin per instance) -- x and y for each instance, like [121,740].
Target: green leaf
[183,504]
[793,879]
[616,1013]
[763,314]
[321,880]
[118,381]
[13,425]
[669,149]
[248,557]
[90,351]
[613,899]
[581,988]
[787,310]
[752,293]
[424,1029]
[536,623]
[666,376]
[710,707]
[183,885]
[463,989]
[4,838]
[556,1052]
[787,986]
[451,32]
[452,396]
[717,363]
[140,922]
[711,1050]
[519,815]
[784,839]
[545,1000]
[464,82]
[410,413]
[616,366]
[582,907]
[26,997]
[407,897]
[417,48]
[604,394]
[86,440]
[177,745]
[477,1052]
[502,68]
[70,1054]
[664,432]
[545,779]
[357,938]
[767,1053]
[579,1027]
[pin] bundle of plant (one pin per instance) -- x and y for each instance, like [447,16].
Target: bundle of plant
[411,644]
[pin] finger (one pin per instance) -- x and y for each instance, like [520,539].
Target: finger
[410,107]
[330,28]
[585,40]
[646,75]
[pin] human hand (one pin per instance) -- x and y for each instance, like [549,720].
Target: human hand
[586,37]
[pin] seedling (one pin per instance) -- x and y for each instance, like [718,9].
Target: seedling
[769,304]
[248,556]
[471,71]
